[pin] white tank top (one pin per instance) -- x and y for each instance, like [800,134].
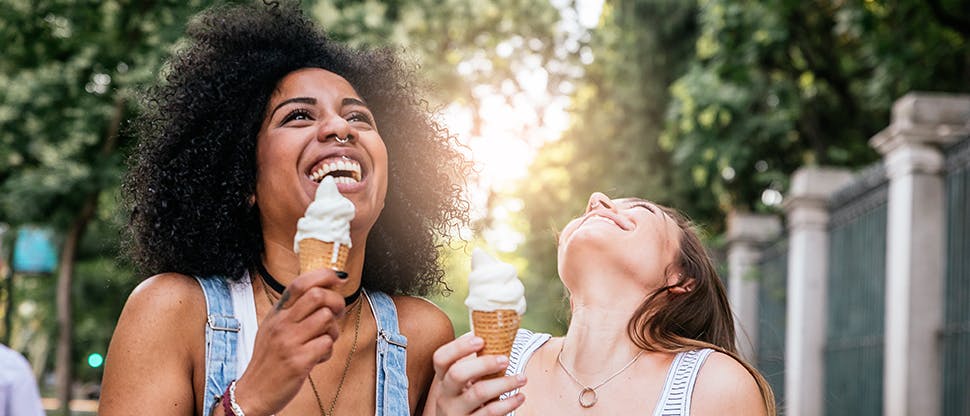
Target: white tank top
[679,384]
[244,307]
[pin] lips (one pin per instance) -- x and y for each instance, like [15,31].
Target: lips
[609,216]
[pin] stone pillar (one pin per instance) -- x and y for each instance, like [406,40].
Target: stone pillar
[747,234]
[915,247]
[807,214]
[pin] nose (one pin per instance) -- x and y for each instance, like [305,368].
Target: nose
[597,200]
[336,128]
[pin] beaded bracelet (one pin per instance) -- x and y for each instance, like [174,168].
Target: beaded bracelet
[229,405]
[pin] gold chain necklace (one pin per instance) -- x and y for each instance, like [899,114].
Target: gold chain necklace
[359,304]
[587,396]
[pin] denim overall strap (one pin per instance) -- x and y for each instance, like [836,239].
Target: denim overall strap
[221,334]
[392,377]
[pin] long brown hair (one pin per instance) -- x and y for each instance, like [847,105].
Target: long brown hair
[698,318]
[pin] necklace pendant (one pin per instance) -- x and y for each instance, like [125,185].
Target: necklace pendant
[587,398]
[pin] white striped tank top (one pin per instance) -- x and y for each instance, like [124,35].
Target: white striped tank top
[679,384]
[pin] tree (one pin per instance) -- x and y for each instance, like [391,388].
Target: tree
[640,47]
[70,71]
[472,52]
[73,70]
[779,84]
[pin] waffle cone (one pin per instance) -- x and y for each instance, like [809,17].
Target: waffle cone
[317,255]
[498,329]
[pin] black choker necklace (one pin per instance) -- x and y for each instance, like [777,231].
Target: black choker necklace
[279,288]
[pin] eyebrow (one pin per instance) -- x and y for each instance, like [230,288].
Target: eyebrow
[301,100]
[313,101]
[353,101]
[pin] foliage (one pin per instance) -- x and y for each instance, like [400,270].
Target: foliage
[617,115]
[472,51]
[778,84]
[468,49]
[70,73]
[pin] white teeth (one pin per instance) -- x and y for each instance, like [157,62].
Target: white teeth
[346,165]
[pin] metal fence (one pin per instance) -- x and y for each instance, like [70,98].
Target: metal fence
[773,279]
[854,346]
[956,329]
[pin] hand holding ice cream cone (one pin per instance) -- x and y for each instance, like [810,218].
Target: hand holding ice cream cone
[496,300]
[323,234]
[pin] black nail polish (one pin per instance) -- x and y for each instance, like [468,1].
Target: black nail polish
[342,275]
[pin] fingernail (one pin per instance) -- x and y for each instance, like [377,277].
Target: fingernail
[520,378]
[342,275]
[476,342]
[501,359]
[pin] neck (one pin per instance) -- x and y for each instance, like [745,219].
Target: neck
[597,342]
[284,265]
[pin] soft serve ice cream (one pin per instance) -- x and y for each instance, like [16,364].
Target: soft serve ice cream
[496,300]
[323,234]
[494,285]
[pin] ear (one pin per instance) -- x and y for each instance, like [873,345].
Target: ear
[252,200]
[679,285]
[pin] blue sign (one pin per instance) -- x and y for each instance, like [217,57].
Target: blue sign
[34,251]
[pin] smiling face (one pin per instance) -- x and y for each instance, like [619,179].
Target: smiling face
[627,237]
[316,125]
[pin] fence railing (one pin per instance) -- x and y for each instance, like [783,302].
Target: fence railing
[956,324]
[773,279]
[856,286]
[823,333]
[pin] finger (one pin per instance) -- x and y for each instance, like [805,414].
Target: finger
[320,322]
[465,371]
[321,347]
[314,299]
[448,354]
[324,278]
[501,407]
[485,391]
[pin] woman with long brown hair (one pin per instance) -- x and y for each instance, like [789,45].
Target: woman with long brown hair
[650,332]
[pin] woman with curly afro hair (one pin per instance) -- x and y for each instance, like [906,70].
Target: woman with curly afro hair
[250,113]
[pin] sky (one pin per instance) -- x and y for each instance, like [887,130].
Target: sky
[515,129]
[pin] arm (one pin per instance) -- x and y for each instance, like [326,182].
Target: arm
[725,388]
[426,328]
[161,334]
[458,388]
[149,368]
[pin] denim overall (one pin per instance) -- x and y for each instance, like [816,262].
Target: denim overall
[221,335]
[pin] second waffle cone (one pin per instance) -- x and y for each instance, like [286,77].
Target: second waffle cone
[498,329]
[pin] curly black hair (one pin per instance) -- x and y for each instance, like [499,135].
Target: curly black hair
[194,170]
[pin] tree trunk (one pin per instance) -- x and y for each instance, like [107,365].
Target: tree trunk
[65,324]
[65,334]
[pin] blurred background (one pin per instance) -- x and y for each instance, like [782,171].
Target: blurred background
[708,106]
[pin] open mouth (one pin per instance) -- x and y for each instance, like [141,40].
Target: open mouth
[343,170]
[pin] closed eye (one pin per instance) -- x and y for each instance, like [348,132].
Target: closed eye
[648,207]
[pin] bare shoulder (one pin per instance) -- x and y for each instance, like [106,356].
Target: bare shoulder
[161,331]
[165,302]
[724,387]
[426,327]
[423,323]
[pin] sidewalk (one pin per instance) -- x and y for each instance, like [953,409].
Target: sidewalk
[79,407]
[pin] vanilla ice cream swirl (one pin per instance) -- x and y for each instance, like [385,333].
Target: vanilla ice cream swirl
[327,218]
[494,285]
